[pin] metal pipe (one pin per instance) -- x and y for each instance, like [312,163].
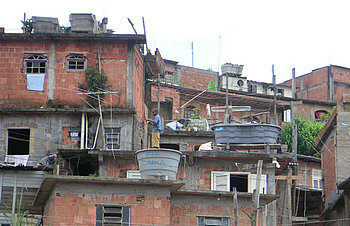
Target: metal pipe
[82,131]
[193,99]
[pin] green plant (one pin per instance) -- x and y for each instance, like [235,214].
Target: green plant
[21,217]
[95,174]
[64,29]
[96,81]
[182,83]
[308,132]
[27,25]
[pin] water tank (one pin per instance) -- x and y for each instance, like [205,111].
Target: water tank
[158,163]
[45,24]
[246,133]
[234,69]
[83,23]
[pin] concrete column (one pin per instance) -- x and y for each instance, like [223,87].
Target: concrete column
[51,72]
[130,76]
[330,85]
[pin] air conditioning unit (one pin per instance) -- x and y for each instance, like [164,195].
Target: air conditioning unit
[234,83]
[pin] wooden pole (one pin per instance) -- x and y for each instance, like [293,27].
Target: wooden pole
[158,94]
[274,96]
[256,196]
[235,207]
[289,196]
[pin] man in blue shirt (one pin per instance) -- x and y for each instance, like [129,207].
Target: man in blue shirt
[156,128]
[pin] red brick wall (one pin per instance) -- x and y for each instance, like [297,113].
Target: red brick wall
[167,92]
[320,78]
[196,79]
[80,209]
[187,214]
[13,89]
[301,171]
[328,168]
[138,83]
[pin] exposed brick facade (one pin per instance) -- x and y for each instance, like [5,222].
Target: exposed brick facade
[13,80]
[318,84]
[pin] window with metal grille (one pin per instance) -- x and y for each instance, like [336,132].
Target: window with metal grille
[112,138]
[76,63]
[213,221]
[35,65]
[112,215]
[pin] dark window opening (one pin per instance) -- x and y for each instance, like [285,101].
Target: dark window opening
[280,92]
[170,146]
[240,181]
[82,165]
[18,141]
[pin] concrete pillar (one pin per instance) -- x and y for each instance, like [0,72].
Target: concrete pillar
[330,85]
[130,76]
[51,72]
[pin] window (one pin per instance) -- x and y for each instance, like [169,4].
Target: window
[287,115]
[76,63]
[243,182]
[112,215]
[35,64]
[280,92]
[18,141]
[213,221]
[112,138]
[74,134]
[316,178]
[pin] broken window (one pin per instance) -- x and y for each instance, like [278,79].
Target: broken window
[112,215]
[18,141]
[213,221]
[76,63]
[243,182]
[112,138]
[35,64]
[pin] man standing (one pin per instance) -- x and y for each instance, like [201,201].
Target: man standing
[156,128]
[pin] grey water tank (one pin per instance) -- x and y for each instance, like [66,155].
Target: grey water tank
[158,163]
[246,133]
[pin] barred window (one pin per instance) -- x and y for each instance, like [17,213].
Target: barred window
[35,64]
[112,215]
[76,63]
[112,138]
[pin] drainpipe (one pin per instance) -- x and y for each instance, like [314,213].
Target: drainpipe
[82,131]
[86,131]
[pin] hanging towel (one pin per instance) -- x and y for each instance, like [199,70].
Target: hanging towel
[35,82]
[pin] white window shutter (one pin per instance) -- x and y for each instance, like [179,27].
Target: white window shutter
[220,181]
[252,183]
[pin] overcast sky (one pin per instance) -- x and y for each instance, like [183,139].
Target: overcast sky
[305,34]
